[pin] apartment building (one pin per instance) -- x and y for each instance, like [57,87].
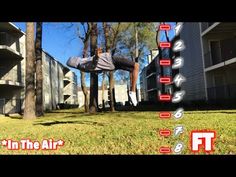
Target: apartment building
[150,87]
[70,87]
[59,83]
[12,70]
[210,61]
[121,94]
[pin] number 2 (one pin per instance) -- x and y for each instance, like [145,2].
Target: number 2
[178,46]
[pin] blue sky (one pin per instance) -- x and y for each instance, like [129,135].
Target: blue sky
[59,40]
[171,33]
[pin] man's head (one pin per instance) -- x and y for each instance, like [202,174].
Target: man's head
[98,51]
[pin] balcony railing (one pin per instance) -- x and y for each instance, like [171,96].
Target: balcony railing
[10,106]
[12,76]
[225,92]
[2,106]
[206,25]
[227,52]
[207,59]
[11,41]
[151,82]
[68,90]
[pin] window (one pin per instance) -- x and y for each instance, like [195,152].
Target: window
[215,52]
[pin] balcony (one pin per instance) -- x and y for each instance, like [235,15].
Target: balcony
[66,98]
[10,48]
[206,25]
[219,30]
[8,53]
[10,106]
[10,27]
[68,90]
[66,81]
[11,77]
[65,70]
[70,76]
[10,83]
[222,52]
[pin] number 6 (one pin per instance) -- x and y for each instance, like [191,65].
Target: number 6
[179,113]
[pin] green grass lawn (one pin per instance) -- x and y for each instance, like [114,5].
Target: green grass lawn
[117,133]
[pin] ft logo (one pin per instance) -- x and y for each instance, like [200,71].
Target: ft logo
[201,139]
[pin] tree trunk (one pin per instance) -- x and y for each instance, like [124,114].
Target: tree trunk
[39,74]
[111,90]
[29,111]
[103,90]
[136,42]
[136,55]
[82,74]
[85,91]
[93,105]
[111,75]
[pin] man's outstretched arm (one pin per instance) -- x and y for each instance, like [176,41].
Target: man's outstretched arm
[73,62]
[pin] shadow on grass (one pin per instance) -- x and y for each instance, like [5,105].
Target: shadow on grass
[69,122]
[157,107]
[77,113]
[65,112]
[211,112]
[14,117]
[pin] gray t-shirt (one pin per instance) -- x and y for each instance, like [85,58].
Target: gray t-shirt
[89,64]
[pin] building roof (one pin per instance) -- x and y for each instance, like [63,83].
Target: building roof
[10,27]
[65,68]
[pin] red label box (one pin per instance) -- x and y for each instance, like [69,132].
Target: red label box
[165,132]
[165,115]
[165,62]
[165,27]
[165,150]
[165,44]
[165,97]
[165,80]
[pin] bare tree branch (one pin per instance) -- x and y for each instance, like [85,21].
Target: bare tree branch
[167,37]
[158,35]
[114,41]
